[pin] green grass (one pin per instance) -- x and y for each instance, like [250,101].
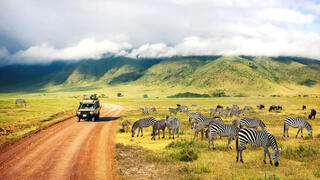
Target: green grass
[298,158]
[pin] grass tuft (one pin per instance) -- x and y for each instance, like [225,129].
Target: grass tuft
[303,153]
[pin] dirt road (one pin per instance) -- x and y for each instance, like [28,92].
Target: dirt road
[67,150]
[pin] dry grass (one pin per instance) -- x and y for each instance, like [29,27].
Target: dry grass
[299,158]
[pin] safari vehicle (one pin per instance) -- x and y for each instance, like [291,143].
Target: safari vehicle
[89,108]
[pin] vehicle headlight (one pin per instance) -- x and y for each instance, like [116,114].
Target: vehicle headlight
[78,112]
[91,112]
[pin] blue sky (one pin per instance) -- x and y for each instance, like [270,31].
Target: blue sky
[33,31]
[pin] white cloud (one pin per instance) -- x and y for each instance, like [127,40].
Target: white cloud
[87,48]
[286,15]
[69,30]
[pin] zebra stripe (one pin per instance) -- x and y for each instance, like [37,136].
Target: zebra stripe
[194,115]
[251,123]
[174,110]
[206,121]
[296,123]
[258,138]
[223,130]
[145,122]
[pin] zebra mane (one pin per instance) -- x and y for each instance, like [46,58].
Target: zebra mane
[262,123]
[308,126]
[134,125]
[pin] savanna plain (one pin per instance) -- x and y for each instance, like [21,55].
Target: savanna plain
[185,157]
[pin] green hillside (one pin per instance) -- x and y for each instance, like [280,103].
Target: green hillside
[204,74]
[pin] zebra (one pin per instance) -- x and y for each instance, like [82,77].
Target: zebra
[206,121]
[251,123]
[296,123]
[224,112]
[194,115]
[174,110]
[183,108]
[154,109]
[198,127]
[157,126]
[248,108]
[125,126]
[145,122]
[235,107]
[223,130]
[213,111]
[257,138]
[145,110]
[173,125]
[235,112]
[21,101]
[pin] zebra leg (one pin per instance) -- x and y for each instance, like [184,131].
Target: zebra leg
[229,141]
[164,132]
[241,160]
[302,132]
[298,132]
[173,131]
[201,134]
[265,153]
[209,140]
[158,133]
[138,132]
[212,139]
[287,129]
[178,132]
[169,133]
[269,156]
[141,132]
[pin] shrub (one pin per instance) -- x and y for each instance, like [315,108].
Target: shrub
[188,94]
[302,153]
[186,144]
[308,82]
[196,169]
[145,96]
[275,95]
[119,94]
[318,136]
[188,154]
[219,94]
[316,173]
[241,95]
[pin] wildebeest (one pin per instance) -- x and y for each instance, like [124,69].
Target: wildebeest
[279,107]
[21,101]
[312,114]
[274,107]
[260,106]
[125,126]
[304,107]
[219,107]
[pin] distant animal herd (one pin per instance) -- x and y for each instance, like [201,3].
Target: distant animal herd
[244,130]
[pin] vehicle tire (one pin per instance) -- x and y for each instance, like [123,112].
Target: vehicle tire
[93,119]
[78,119]
[98,116]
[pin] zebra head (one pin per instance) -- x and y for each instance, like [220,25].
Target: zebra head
[133,129]
[275,157]
[310,133]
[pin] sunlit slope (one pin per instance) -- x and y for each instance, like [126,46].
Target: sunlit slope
[233,75]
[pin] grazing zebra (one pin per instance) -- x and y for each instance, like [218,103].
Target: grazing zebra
[223,130]
[154,109]
[157,126]
[141,123]
[251,123]
[193,105]
[198,127]
[183,108]
[248,108]
[194,115]
[213,111]
[173,125]
[174,110]
[296,123]
[236,112]
[235,107]
[145,110]
[125,125]
[21,101]
[257,138]
[206,121]
[224,112]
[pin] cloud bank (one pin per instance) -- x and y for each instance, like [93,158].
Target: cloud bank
[71,30]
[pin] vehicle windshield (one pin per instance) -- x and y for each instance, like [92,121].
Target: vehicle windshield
[86,106]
